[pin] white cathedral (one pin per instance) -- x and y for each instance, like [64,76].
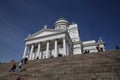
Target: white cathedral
[63,40]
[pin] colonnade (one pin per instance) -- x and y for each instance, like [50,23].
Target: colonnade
[38,54]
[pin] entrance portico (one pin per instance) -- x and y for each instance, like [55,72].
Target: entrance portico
[47,46]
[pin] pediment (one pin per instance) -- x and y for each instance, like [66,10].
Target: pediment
[43,33]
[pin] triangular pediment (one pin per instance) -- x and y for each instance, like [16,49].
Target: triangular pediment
[44,32]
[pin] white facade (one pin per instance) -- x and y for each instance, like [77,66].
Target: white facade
[64,40]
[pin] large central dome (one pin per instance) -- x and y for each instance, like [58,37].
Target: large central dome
[61,20]
[61,23]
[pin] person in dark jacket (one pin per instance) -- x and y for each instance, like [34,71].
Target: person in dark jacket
[25,60]
[12,69]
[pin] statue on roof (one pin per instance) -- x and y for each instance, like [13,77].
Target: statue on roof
[45,27]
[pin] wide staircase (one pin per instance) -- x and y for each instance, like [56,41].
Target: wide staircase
[92,66]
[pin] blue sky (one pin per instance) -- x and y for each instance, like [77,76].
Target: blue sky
[18,18]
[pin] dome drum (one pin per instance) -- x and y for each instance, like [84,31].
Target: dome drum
[61,21]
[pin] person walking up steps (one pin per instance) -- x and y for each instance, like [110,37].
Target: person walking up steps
[25,60]
[12,69]
[19,66]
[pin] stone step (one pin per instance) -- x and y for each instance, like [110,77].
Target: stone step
[94,66]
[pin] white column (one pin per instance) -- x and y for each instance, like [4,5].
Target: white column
[31,53]
[56,49]
[38,51]
[41,52]
[67,48]
[47,50]
[64,46]
[25,50]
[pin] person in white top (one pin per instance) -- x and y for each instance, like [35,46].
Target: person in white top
[19,66]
